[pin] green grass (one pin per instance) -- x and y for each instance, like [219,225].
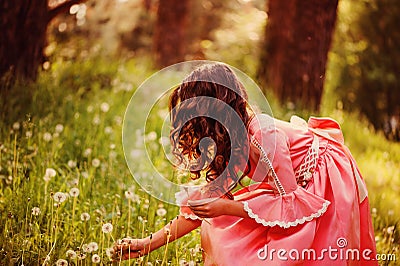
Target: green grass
[73,125]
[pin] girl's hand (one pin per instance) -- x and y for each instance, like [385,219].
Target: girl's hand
[128,248]
[212,208]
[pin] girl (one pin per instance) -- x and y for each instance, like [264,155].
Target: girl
[307,204]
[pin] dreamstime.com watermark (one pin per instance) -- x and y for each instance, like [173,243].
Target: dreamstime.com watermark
[340,252]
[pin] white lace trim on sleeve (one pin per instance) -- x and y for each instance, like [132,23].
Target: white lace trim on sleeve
[190,216]
[282,223]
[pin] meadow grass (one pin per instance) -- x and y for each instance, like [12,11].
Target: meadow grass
[66,193]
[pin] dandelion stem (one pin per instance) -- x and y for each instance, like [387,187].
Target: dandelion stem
[129,217]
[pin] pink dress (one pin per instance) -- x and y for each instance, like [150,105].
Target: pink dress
[311,208]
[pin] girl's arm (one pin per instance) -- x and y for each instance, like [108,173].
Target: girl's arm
[134,248]
[220,207]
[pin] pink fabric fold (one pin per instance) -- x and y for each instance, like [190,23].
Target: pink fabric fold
[292,209]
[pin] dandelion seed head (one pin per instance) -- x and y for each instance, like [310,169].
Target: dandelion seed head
[81,256]
[16,125]
[95,258]
[183,262]
[47,136]
[390,229]
[104,107]
[71,164]
[74,192]
[85,174]
[118,120]
[60,197]
[87,152]
[86,248]
[71,254]
[93,246]
[109,252]
[95,162]
[89,109]
[85,216]
[107,228]
[51,172]
[108,130]
[132,196]
[28,134]
[35,211]
[62,262]
[59,128]
[112,154]
[151,136]
[96,120]
[161,212]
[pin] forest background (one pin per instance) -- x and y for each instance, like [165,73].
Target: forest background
[68,69]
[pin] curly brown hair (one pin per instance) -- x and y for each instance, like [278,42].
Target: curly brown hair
[207,111]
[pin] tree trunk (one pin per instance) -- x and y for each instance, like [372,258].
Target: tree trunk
[297,40]
[170,32]
[23,24]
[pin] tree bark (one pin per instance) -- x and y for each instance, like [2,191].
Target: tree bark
[170,32]
[23,24]
[297,40]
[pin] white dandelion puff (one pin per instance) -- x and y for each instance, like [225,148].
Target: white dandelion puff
[35,211]
[81,256]
[390,229]
[132,196]
[49,174]
[47,136]
[71,254]
[89,109]
[96,120]
[85,216]
[28,134]
[62,262]
[71,164]
[108,130]
[85,174]
[74,192]
[104,107]
[109,252]
[107,228]
[60,197]
[93,246]
[118,120]
[16,125]
[151,136]
[87,152]
[95,258]
[86,248]
[95,162]
[59,128]
[161,212]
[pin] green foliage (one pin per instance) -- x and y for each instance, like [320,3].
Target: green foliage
[364,59]
[74,127]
